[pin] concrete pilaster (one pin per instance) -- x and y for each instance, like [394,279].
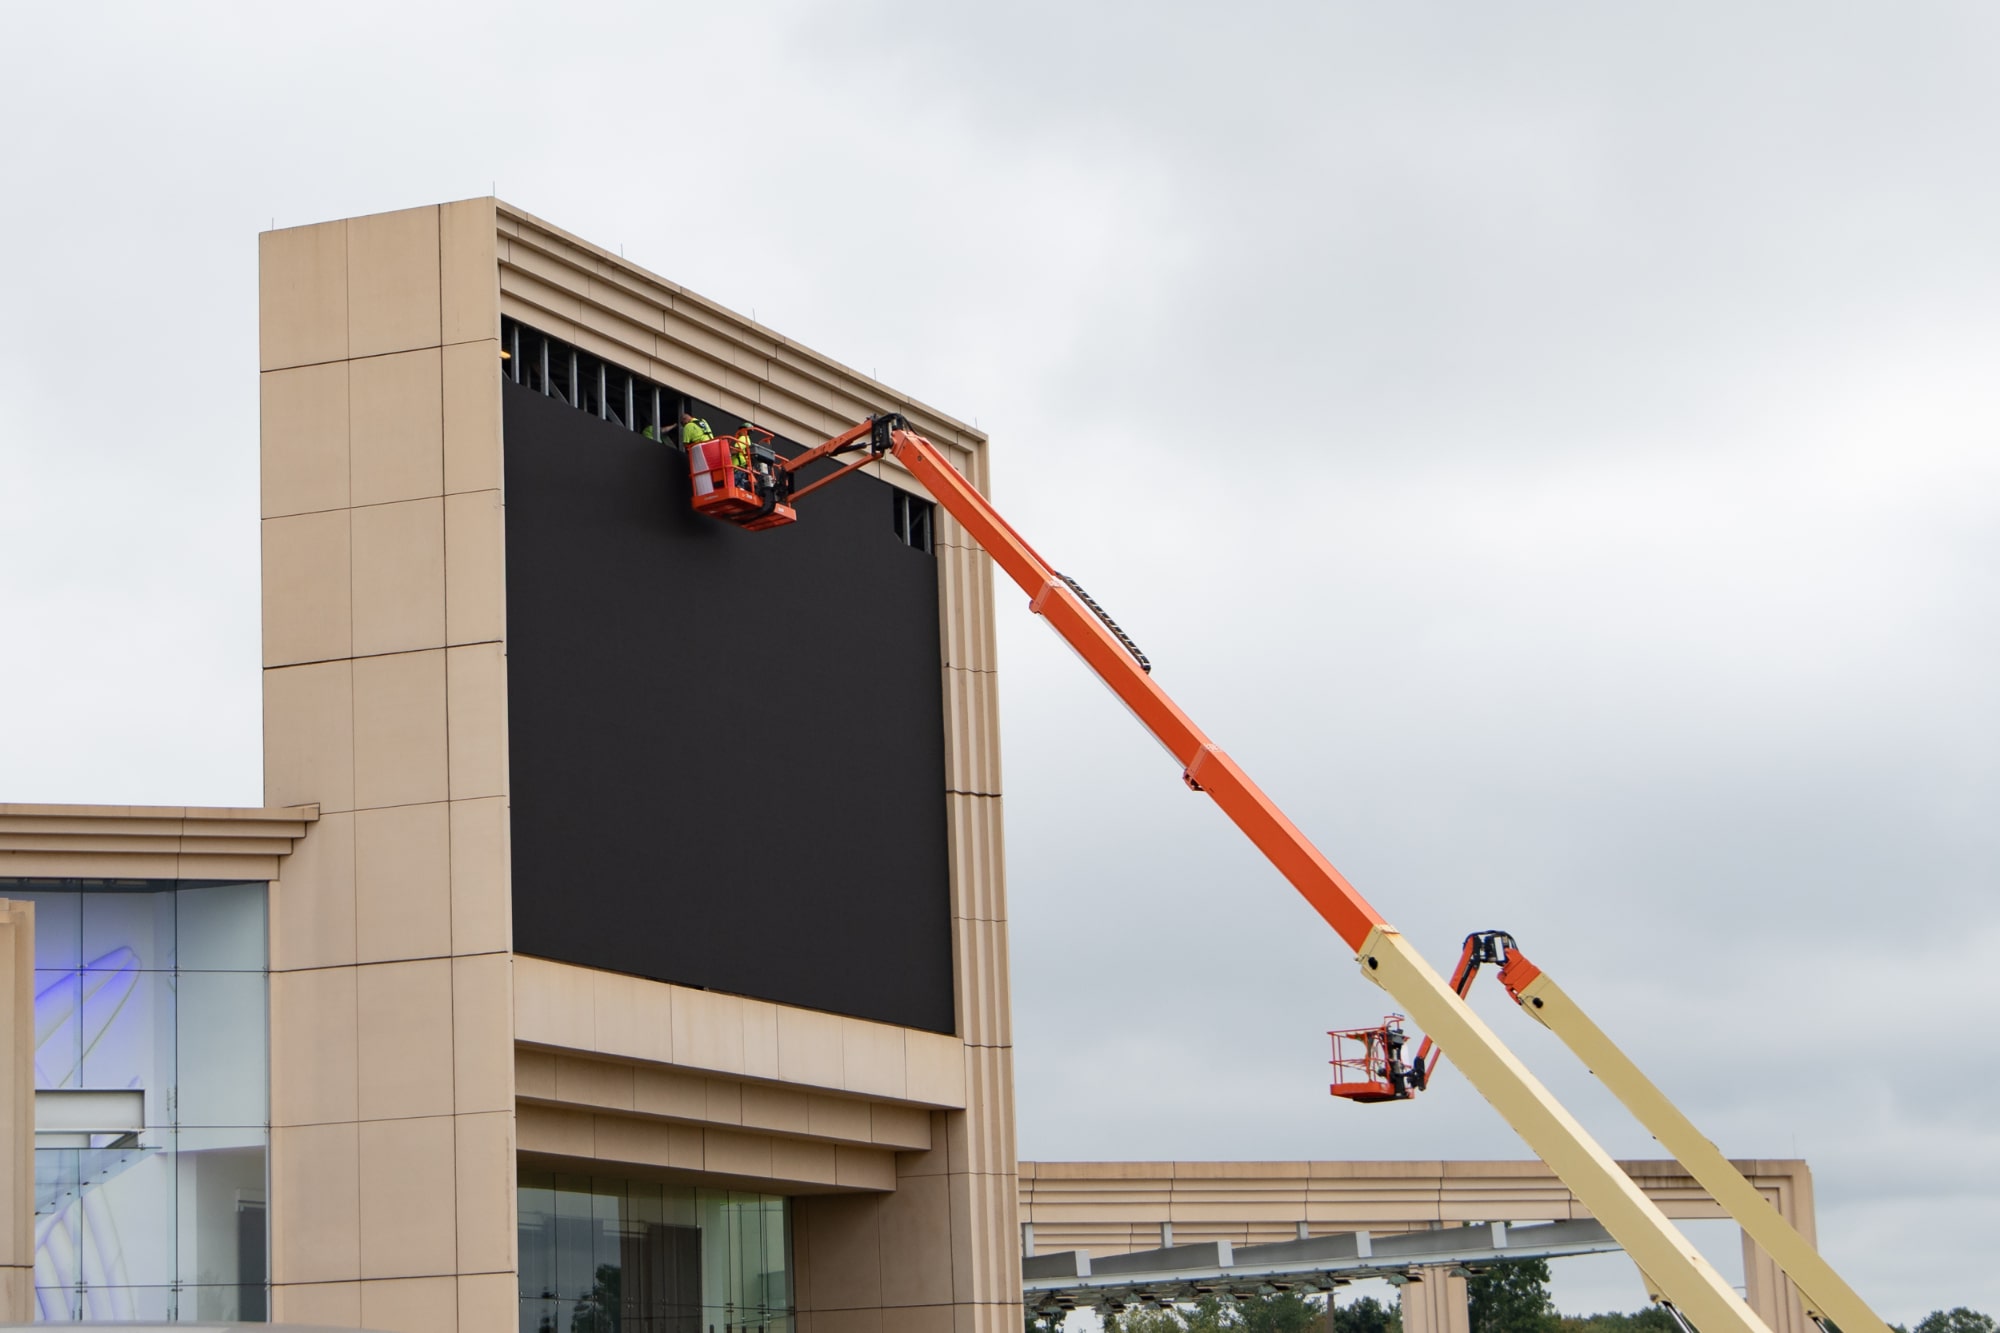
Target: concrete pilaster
[392,1096]
[17,1110]
[1765,1287]
[1436,1305]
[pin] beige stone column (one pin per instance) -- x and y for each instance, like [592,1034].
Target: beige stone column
[1765,1287]
[1437,1304]
[942,1254]
[392,1098]
[17,1111]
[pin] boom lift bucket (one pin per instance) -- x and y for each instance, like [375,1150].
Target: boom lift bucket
[1368,1063]
[751,497]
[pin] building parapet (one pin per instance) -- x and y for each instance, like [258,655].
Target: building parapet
[148,841]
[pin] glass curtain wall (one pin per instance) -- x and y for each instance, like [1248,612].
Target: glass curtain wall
[152,1120]
[603,1255]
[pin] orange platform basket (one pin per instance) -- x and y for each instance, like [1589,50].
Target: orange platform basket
[723,490]
[1363,1061]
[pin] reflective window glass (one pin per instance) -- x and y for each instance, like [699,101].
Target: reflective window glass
[122,1304]
[59,1029]
[220,928]
[574,1256]
[220,1246]
[220,1064]
[58,928]
[118,1229]
[168,1222]
[537,1246]
[128,930]
[128,1035]
[607,1253]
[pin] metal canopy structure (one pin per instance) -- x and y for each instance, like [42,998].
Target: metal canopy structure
[1052,1283]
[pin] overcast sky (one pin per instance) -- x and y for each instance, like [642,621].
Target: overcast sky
[1552,446]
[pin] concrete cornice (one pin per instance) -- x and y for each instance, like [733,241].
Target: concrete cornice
[582,293]
[1090,1203]
[148,841]
[1364,1170]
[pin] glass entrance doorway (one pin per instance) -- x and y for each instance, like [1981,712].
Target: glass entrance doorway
[607,1255]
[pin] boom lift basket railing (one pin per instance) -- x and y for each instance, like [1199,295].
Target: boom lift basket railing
[1368,1063]
[750,495]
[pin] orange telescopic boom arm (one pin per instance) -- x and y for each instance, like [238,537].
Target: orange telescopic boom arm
[1687,1280]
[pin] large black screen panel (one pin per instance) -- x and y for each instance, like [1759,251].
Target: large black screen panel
[727,747]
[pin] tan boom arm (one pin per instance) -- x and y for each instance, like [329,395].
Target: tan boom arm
[1828,1298]
[1693,1286]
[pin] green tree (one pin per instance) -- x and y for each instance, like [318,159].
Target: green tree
[1512,1297]
[1144,1319]
[1050,1323]
[1368,1315]
[1210,1314]
[1280,1312]
[598,1312]
[1652,1319]
[1956,1320]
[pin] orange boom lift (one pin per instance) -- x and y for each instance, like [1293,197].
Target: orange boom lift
[765,495]
[1829,1301]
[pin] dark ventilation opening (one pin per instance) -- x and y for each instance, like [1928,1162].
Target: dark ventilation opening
[621,397]
[555,369]
[559,363]
[648,397]
[529,362]
[912,519]
[589,384]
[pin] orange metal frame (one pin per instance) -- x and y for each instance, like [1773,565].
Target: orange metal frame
[1360,1063]
[732,492]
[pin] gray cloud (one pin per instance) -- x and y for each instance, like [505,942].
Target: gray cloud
[1552,446]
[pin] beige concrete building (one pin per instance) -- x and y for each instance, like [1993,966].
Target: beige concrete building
[747,1161]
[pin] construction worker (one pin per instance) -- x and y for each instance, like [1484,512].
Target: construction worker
[695,432]
[739,454]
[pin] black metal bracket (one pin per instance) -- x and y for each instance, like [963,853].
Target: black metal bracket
[881,430]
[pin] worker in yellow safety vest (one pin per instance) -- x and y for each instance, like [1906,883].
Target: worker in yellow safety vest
[694,430]
[739,454]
